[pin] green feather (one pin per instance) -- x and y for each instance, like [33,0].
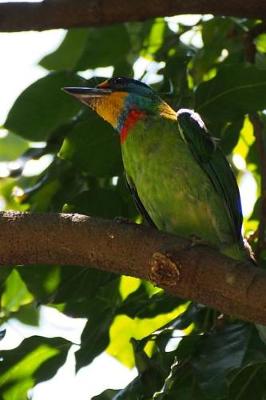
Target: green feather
[213,162]
[183,182]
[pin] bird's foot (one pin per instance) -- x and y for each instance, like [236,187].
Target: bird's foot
[197,241]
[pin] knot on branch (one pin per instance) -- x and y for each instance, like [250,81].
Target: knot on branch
[163,271]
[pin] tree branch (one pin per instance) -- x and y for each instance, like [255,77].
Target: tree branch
[69,13]
[185,270]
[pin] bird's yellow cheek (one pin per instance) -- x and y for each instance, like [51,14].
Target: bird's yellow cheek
[109,107]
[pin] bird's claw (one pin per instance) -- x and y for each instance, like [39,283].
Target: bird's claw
[197,241]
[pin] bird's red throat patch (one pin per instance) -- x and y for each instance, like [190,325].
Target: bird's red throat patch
[132,118]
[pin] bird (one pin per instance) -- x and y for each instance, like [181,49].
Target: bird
[179,177]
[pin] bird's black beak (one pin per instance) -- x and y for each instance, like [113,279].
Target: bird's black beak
[83,93]
[88,96]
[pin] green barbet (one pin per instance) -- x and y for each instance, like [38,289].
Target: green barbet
[180,179]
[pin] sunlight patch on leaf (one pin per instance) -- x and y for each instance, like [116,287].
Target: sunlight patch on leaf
[125,328]
[155,39]
[16,293]
[246,139]
[128,285]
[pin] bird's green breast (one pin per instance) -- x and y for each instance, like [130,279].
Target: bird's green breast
[175,191]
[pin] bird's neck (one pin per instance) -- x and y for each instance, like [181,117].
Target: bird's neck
[132,114]
[128,120]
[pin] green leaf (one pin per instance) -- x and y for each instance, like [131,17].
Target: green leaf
[138,34]
[66,56]
[93,146]
[176,77]
[78,286]
[154,40]
[215,31]
[260,42]
[215,34]
[11,147]
[215,365]
[28,314]
[4,273]
[101,202]
[235,90]
[140,304]
[180,383]
[104,46]
[250,382]
[70,287]
[124,329]
[43,107]
[15,294]
[220,352]
[41,280]
[49,192]
[35,360]
[152,373]
[101,311]
[108,394]
[230,135]
[95,336]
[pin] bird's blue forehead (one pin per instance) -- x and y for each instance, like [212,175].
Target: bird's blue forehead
[129,85]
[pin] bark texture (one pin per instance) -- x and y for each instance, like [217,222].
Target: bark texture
[23,16]
[182,268]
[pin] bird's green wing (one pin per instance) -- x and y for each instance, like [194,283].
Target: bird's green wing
[138,202]
[213,162]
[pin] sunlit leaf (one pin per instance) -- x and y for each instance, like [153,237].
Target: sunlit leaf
[125,328]
[35,360]
[15,294]
[260,41]
[154,40]
[11,147]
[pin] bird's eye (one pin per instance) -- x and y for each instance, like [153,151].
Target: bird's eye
[117,81]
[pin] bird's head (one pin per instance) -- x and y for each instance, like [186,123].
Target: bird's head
[121,101]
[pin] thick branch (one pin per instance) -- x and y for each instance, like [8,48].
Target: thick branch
[190,271]
[71,13]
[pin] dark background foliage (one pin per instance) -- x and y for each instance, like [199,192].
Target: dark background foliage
[224,79]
